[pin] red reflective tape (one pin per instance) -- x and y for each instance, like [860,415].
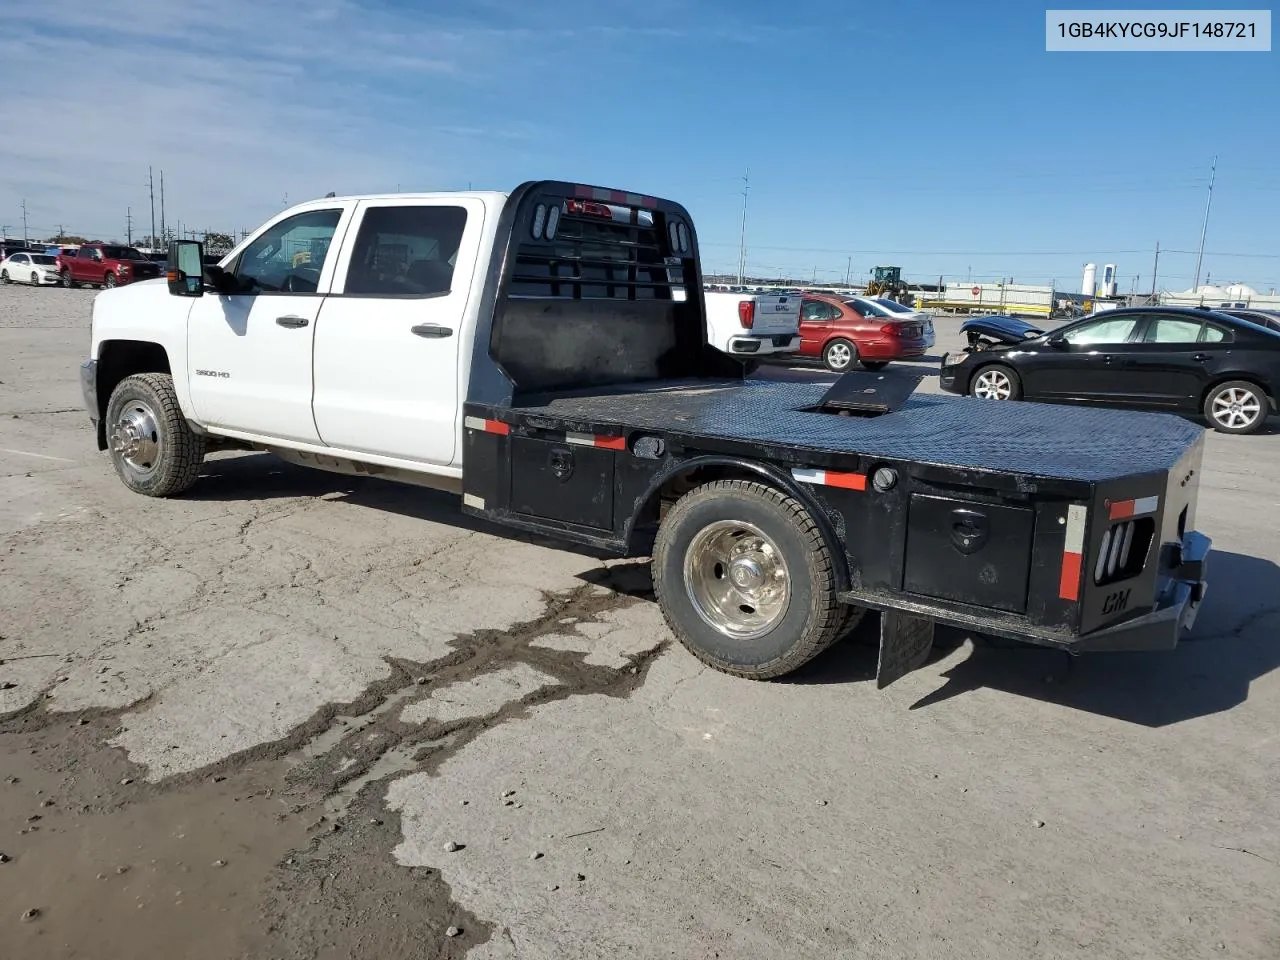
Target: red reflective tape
[611,443]
[846,481]
[1122,510]
[1069,582]
[580,191]
[618,197]
[496,426]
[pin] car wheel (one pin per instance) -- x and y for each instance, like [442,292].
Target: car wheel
[995,382]
[109,281]
[35,279]
[745,579]
[839,355]
[4,277]
[874,364]
[67,282]
[152,448]
[1237,407]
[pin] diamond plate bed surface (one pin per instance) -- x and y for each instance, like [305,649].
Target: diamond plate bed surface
[1071,443]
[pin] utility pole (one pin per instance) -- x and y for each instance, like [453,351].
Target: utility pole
[151,188]
[25,238]
[128,225]
[848,269]
[1213,172]
[1155,271]
[742,240]
[164,233]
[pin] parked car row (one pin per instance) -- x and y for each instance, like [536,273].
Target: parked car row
[90,264]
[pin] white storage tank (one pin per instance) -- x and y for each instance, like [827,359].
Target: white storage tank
[1088,286]
[1109,280]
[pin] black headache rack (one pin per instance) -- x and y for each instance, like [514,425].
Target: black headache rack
[1063,526]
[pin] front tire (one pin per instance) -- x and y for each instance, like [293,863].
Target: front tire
[152,448]
[35,279]
[109,281]
[839,355]
[745,579]
[995,382]
[4,277]
[67,282]
[1237,406]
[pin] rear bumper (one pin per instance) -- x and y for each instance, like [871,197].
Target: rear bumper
[892,349]
[762,345]
[1175,611]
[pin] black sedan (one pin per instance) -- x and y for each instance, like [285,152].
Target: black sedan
[1166,358]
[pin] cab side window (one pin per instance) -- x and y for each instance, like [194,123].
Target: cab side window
[288,257]
[406,251]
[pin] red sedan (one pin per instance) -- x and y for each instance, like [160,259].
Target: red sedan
[845,331]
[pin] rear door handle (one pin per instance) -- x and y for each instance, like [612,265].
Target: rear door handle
[1106,359]
[432,330]
[1201,358]
[292,321]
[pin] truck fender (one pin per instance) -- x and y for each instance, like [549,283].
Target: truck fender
[723,465]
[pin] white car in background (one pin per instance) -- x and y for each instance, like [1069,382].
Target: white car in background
[900,312]
[38,269]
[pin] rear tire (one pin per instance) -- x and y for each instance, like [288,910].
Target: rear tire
[839,355]
[745,580]
[4,277]
[152,448]
[1237,406]
[995,381]
[874,364]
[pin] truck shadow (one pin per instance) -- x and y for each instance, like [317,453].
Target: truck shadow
[1235,642]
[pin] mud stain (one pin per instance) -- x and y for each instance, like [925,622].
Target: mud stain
[283,851]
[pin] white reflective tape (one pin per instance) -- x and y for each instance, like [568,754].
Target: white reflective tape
[1076,516]
[1146,505]
[809,476]
[473,423]
[471,500]
[581,439]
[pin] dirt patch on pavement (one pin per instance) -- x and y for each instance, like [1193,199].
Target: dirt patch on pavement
[283,851]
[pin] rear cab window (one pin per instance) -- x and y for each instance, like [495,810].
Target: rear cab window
[406,251]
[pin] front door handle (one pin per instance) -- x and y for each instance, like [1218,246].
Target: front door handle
[432,330]
[292,321]
[1106,358]
[1201,358]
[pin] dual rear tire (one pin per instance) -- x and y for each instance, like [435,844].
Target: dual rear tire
[746,580]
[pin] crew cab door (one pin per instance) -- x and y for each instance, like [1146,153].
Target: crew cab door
[387,347]
[249,352]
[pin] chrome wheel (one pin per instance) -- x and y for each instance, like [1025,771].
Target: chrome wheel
[109,280]
[135,438]
[839,356]
[737,579]
[1236,408]
[992,385]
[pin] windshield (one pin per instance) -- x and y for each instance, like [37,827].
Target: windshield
[122,253]
[43,259]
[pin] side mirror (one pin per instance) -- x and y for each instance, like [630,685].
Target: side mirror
[1057,341]
[186,268]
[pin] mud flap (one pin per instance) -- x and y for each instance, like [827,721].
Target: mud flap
[905,642]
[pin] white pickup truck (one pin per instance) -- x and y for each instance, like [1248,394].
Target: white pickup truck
[545,354]
[753,325]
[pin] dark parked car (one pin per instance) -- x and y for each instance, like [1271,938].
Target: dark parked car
[1167,358]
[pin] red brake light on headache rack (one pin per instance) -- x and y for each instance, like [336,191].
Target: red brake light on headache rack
[747,313]
[588,208]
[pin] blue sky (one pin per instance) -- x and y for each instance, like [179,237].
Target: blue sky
[936,135]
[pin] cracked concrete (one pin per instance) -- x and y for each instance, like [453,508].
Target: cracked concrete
[318,681]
